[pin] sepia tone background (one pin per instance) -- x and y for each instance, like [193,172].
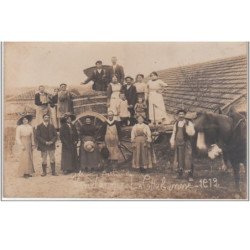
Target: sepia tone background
[27,65]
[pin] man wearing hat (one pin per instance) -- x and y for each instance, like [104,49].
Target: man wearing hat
[99,77]
[69,139]
[180,141]
[65,103]
[131,95]
[46,137]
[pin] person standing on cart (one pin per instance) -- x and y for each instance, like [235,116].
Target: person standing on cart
[99,76]
[131,95]
[116,69]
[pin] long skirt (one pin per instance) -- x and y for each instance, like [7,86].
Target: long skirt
[183,156]
[26,165]
[157,110]
[143,154]
[89,160]
[69,161]
[114,106]
[112,142]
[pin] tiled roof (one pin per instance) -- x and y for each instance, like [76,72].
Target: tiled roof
[207,86]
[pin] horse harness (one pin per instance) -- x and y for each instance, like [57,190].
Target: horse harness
[237,124]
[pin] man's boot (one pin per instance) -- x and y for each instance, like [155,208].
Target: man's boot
[53,168]
[44,166]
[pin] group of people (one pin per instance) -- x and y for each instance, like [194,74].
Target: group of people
[129,103]
[129,98]
[56,104]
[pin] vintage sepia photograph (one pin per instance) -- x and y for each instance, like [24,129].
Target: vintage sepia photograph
[125,120]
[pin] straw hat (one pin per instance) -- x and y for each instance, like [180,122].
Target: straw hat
[28,117]
[89,146]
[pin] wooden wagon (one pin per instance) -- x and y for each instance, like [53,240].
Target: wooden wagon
[94,105]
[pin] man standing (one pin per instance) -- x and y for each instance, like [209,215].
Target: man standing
[65,103]
[69,139]
[99,77]
[130,92]
[46,137]
[117,70]
[53,108]
[180,141]
[42,104]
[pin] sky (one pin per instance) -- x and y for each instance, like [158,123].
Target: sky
[51,63]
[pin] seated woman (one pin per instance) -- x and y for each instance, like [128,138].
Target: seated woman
[143,153]
[89,154]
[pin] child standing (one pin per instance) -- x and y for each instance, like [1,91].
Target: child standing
[140,108]
[123,111]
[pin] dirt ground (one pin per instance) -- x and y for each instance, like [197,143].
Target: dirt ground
[123,183]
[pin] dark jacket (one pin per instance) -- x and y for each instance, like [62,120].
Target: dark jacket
[88,130]
[68,136]
[53,100]
[131,94]
[100,80]
[38,101]
[119,72]
[45,134]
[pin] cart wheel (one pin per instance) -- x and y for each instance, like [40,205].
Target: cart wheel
[96,118]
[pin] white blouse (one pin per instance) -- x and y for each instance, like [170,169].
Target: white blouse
[189,130]
[141,87]
[24,130]
[146,131]
[155,86]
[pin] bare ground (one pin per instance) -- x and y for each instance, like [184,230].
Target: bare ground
[123,183]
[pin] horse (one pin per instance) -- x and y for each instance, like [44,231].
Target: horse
[229,132]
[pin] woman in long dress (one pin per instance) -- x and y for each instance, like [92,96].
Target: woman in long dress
[157,110]
[89,153]
[143,153]
[69,139]
[111,133]
[113,93]
[25,139]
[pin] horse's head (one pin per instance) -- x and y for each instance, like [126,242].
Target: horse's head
[206,128]
[200,121]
